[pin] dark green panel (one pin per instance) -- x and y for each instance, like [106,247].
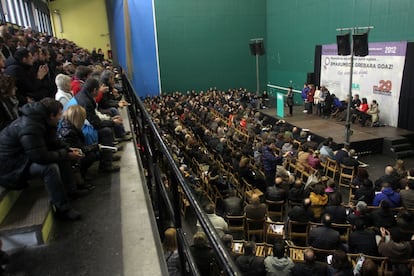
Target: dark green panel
[295,27]
[205,43]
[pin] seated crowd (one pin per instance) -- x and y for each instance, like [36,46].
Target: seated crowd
[58,115]
[239,162]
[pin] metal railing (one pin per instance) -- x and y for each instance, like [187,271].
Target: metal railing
[154,155]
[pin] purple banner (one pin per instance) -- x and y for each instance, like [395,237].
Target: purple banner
[375,49]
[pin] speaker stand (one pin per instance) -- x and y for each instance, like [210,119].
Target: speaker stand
[257,76]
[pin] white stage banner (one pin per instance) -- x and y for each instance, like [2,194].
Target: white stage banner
[377,76]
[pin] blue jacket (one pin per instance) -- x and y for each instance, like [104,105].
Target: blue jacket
[269,160]
[305,92]
[389,195]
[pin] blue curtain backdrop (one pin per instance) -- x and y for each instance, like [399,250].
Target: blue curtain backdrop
[145,76]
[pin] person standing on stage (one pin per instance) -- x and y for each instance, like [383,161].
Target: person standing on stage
[289,101]
[304,95]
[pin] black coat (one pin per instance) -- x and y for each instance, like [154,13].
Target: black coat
[251,265]
[73,137]
[309,269]
[29,139]
[233,206]
[26,81]
[324,238]
[275,193]
[85,99]
[363,241]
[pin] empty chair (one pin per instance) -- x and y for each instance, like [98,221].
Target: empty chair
[297,232]
[275,210]
[331,167]
[346,175]
[255,229]
[236,225]
[274,231]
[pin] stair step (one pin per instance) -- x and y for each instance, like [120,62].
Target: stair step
[404,154]
[396,140]
[30,220]
[7,200]
[401,147]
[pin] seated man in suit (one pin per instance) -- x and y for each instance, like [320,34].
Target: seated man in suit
[362,240]
[324,237]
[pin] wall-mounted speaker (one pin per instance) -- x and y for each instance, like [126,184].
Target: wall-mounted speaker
[360,44]
[310,78]
[344,44]
[257,48]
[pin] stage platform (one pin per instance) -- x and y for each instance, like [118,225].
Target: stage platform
[365,140]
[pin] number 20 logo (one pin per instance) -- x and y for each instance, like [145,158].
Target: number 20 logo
[385,85]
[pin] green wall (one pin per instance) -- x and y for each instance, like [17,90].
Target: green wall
[294,28]
[206,43]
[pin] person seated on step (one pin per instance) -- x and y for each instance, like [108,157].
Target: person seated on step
[85,98]
[29,148]
[70,132]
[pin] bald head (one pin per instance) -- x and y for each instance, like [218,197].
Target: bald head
[389,170]
[255,199]
[278,180]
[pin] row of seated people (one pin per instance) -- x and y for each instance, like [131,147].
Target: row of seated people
[321,102]
[45,136]
[284,258]
[172,117]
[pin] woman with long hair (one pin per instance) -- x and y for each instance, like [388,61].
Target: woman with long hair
[70,131]
[170,252]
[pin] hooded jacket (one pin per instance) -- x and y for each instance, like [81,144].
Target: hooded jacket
[280,267]
[28,139]
[389,195]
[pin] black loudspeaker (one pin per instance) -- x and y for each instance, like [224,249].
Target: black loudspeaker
[344,44]
[310,78]
[252,48]
[360,44]
[257,47]
[260,48]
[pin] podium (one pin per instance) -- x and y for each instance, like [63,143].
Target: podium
[280,105]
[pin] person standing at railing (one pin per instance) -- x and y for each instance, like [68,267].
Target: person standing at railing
[170,252]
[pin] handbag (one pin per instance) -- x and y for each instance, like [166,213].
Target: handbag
[90,133]
[312,179]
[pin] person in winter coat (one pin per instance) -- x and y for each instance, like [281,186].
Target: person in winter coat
[29,148]
[19,66]
[388,194]
[278,264]
[250,264]
[70,132]
[8,101]
[270,160]
[85,98]
[310,267]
